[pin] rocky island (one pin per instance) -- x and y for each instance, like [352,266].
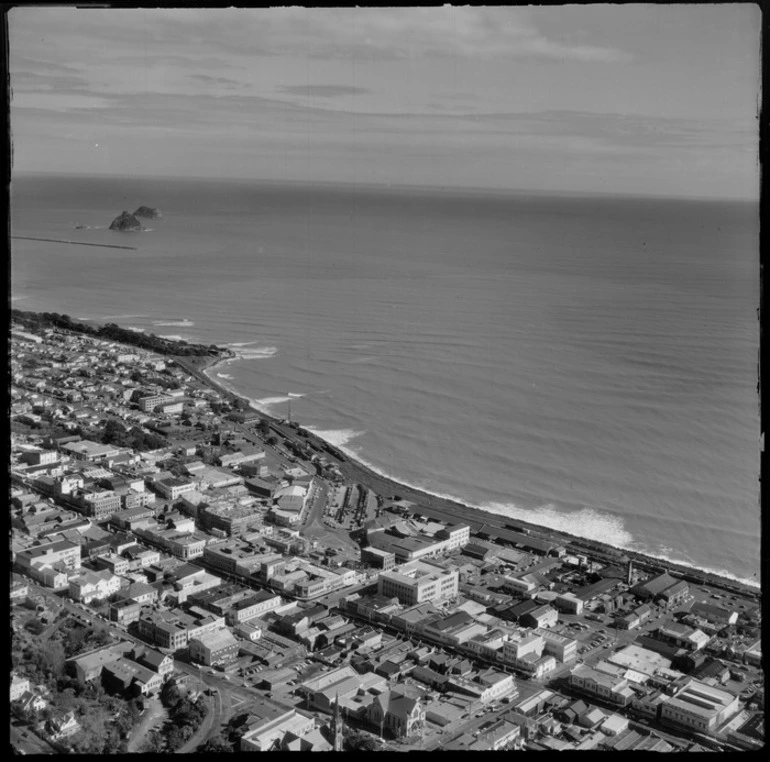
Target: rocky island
[149,212]
[126,221]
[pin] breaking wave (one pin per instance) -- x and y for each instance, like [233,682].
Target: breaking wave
[585,522]
[267,401]
[337,437]
[259,353]
[183,323]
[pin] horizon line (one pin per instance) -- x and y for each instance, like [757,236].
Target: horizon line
[384,185]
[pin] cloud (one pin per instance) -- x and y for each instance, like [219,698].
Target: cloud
[208,80]
[314,33]
[324,91]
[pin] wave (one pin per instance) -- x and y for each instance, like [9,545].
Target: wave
[260,353]
[116,317]
[183,323]
[585,522]
[18,298]
[240,344]
[134,328]
[173,337]
[337,437]
[225,375]
[267,401]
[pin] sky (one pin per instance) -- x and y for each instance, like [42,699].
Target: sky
[637,99]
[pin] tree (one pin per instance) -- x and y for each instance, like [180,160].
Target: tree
[358,741]
[153,743]
[216,745]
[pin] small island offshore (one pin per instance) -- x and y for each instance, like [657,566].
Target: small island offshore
[126,221]
[193,574]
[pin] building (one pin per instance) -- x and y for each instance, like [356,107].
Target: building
[98,504]
[87,450]
[379,559]
[592,682]
[112,562]
[213,647]
[273,726]
[563,648]
[682,636]
[132,677]
[419,581]
[663,587]
[540,617]
[400,715]
[699,707]
[125,611]
[172,488]
[19,686]
[89,666]
[345,688]
[149,403]
[59,552]
[94,585]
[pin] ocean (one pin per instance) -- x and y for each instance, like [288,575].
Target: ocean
[587,363]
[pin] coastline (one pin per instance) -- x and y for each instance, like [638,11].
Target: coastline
[451,509]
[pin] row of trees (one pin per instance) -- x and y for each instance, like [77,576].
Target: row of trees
[112,332]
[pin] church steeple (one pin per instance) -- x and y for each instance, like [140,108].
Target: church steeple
[337,725]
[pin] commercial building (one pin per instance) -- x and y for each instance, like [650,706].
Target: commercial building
[418,581]
[98,504]
[213,647]
[592,682]
[59,552]
[699,707]
[173,489]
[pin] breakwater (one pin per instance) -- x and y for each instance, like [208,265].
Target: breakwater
[75,243]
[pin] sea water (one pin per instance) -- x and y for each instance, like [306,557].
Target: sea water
[583,362]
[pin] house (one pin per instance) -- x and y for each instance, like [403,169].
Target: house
[31,702]
[62,726]
[19,686]
[94,585]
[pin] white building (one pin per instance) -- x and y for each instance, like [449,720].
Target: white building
[92,585]
[418,581]
[699,707]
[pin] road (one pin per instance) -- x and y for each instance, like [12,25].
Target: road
[154,714]
[27,742]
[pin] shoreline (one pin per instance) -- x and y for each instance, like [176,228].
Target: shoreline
[452,509]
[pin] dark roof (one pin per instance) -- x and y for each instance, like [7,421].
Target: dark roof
[476,550]
[454,620]
[428,676]
[657,585]
[597,588]
[517,538]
